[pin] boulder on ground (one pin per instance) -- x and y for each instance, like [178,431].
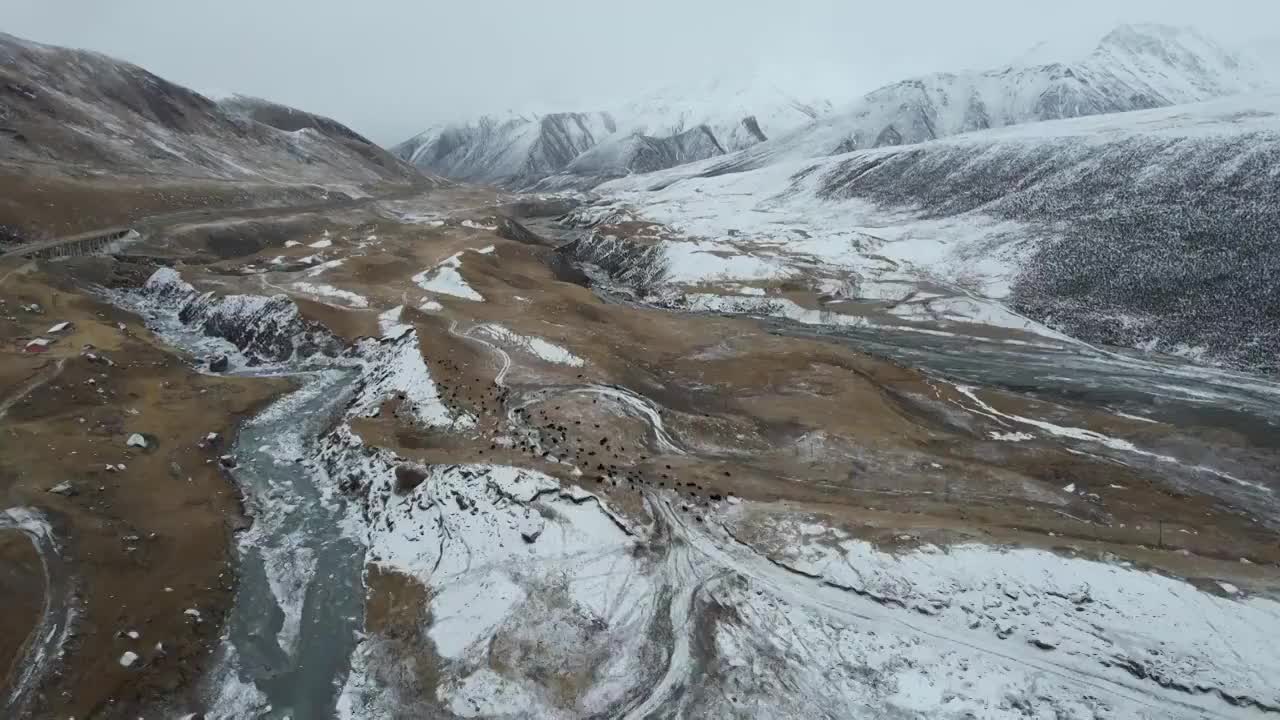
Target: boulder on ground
[408,478]
[64,489]
[531,526]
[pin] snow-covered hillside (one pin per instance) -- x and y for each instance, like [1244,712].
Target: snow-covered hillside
[1151,229]
[1134,67]
[87,110]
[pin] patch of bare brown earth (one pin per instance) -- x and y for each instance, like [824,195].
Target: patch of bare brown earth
[145,531]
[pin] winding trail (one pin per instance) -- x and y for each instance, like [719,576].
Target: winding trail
[633,404]
[501,378]
[49,636]
[18,269]
[41,377]
[639,406]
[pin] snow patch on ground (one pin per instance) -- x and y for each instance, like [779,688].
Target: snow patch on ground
[1081,434]
[324,267]
[568,598]
[705,261]
[445,279]
[389,323]
[770,224]
[351,299]
[396,369]
[539,348]
[780,307]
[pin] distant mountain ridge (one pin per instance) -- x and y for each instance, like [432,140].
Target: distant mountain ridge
[739,111]
[753,123]
[672,125]
[515,150]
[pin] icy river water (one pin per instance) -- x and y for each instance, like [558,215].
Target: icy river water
[300,601]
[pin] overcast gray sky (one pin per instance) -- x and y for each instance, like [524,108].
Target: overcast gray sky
[390,68]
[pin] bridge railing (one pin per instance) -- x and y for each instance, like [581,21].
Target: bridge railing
[85,244]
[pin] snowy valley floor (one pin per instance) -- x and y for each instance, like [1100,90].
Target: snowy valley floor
[493,492]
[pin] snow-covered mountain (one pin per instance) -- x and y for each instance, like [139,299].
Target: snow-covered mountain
[1152,229]
[515,150]
[658,130]
[94,113]
[755,120]
[1134,67]
[1265,51]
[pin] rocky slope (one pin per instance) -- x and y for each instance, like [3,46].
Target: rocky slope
[293,120]
[515,150]
[88,113]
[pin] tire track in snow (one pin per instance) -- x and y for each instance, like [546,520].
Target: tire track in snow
[852,609]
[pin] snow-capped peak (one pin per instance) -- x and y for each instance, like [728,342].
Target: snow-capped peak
[779,100]
[1133,67]
[1178,63]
